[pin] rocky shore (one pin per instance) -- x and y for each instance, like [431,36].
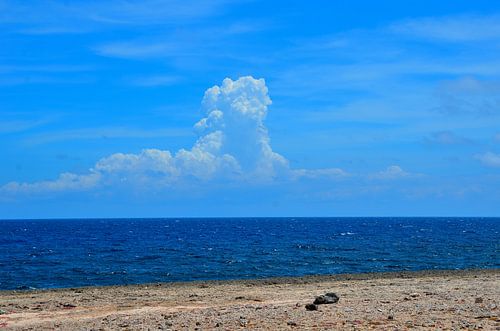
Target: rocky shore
[434,300]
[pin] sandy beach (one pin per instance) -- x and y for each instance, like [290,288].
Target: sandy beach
[446,300]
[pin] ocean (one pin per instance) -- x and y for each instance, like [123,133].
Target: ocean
[85,252]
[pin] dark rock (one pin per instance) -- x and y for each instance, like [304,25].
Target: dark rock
[291,323]
[328,298]
[311,307]
[390,317]
[68,305]
[478,300]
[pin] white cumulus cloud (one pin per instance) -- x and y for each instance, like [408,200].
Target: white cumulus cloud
[233,144]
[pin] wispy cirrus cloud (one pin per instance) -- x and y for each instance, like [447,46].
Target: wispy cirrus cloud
[188,42]
[53,17]
[446,138]
[25,74]
[459,28]
[47,68]
[489,159]
[104,133]
[136,49]
[154,80]
[392,172]
[384,62]
[11,126]
[31,79]
[469,96]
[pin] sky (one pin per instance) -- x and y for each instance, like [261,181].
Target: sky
[183,108]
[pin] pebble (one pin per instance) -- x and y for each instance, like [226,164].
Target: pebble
[68,305]
[311,307]
[243,321]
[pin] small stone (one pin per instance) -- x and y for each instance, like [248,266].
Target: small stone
[68,305]
[311,307]
[2,312]
[291,323]
[243,321]
[390,317]
[414,295]
[478,300]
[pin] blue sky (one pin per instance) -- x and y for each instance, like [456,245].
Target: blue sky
[331,108]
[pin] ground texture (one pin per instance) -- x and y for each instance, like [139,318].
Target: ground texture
[446,300]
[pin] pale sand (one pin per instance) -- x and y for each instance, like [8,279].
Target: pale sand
[394,301]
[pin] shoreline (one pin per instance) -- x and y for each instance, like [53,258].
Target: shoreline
[305,279]
[435,299]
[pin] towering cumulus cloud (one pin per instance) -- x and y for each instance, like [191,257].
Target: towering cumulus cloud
[235,122]
[233,144]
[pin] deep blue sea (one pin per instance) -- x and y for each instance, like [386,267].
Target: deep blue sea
[69,253]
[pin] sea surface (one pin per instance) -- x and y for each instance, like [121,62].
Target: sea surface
[83,252]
